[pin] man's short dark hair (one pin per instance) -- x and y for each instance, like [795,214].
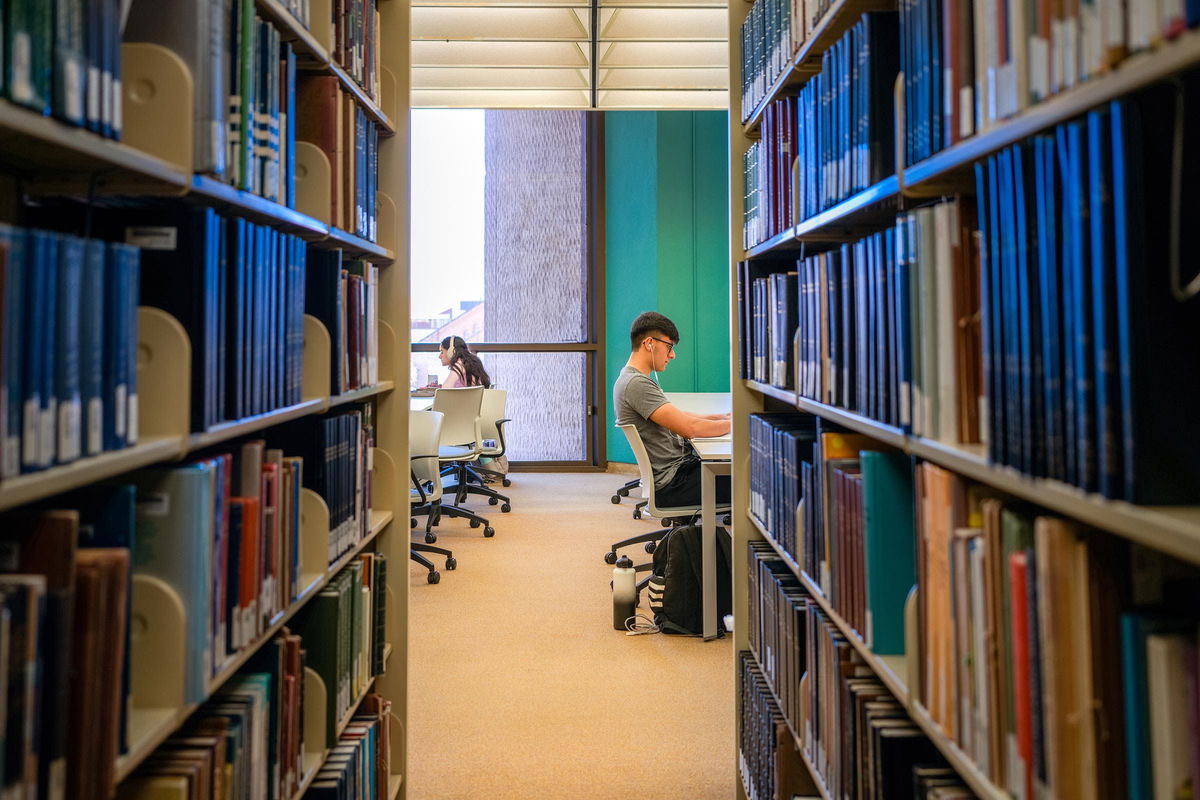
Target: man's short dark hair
[649,322]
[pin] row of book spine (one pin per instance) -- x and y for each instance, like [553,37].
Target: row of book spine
[1049,334]
[969,65]
[1042,649]
[768,762]
[356,45]
[246,741]
[344,295]
[336,123]
[238,290]
[772,33]
[358,766]
[855,733]
[348,618]
[63,57]
[68,367]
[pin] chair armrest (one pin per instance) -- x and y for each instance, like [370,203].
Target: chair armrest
[417,458]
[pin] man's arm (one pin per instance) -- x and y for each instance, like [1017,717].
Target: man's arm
[707,416]
[689,426]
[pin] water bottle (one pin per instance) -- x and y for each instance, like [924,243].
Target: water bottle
[624,585]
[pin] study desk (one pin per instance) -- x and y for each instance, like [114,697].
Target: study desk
[702,402]
[716,458]
[420,403]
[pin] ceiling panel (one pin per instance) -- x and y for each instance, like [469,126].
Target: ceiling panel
[664,54]
[663,24]
[480,98]
[500,54]
[712,78]
[501,24]
[499,78]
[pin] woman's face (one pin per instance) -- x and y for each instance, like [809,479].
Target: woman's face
[444,356]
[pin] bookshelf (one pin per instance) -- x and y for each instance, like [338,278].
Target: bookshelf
[48,160]
[1169,532]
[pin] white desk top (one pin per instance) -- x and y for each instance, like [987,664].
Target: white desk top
[420,403]
[714,449]
[702,402]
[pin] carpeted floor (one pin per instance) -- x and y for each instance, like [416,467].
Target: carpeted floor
[520,688]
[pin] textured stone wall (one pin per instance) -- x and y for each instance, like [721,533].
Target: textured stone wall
[535,268]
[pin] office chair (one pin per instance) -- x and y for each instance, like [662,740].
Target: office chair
[423,430]
[672,517]
[624,491]
[491,428]
[459,444]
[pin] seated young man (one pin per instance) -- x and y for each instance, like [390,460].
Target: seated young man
[664,427]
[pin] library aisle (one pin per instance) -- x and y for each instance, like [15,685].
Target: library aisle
[518,685]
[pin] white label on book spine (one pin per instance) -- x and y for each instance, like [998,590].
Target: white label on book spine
[48,442]
[95,426]
[12,456]
[153,237]
[106,98]
[966,111]
[74,88]
[120,405]
[70,434]
[1039,67]
[93,94]
[118,121]
[131,424]
[22,67]
[58,780]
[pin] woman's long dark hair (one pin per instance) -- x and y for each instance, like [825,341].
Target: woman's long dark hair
[465,363]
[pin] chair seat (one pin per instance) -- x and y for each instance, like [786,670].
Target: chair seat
[455,452]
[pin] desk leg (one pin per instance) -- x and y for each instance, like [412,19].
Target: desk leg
[708,518]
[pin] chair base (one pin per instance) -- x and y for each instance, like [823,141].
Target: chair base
[434,512]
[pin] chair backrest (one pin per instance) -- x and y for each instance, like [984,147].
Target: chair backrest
[424,433]
[460,426]
[491,412]
[644,469]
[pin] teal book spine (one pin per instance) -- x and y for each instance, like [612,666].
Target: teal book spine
[1137,713]
[890,545]
[70,74]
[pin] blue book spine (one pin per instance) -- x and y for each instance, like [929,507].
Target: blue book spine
[94,64]
[1103,302]
[1032,458]
[131,266]
[1137,714]
[221,331]
[997,407]
[1010,319]
[1080,335]
[69,426]
[289,88]
[37,361]
[1125,247]
[91,347]
[1048,287]
[48,413]
[1068,245]
[116,371]
[14,276]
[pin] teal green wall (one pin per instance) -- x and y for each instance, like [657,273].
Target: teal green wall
[667,243]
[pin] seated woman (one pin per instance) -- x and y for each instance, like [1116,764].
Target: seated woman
[465,367]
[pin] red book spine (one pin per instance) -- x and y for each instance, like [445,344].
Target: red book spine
[1022,676]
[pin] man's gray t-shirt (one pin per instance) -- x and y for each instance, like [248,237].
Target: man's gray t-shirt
[635,398]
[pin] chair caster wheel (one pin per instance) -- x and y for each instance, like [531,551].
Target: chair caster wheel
[492,501]
[451,563]
[504,509]
[430,538]
[610,558]
[434,577]
[412,522]
[506,483]
[637,513]
[616,499]
[474,523]
[650,547]
[489,532]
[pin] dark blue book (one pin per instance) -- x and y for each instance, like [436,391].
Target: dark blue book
[236,298]
[69,425]
[1032,445]
[1070,198]
[131,259]
[94,54]
[1193,13]
[289,89]
[1010,319]
[233,579]
[1103,305]
[1081,333]
[891,373]
[37,359]
[179,274]
[115,370]
[225,274]
[13,275]
[91,347]
[1048,287]
[997,408]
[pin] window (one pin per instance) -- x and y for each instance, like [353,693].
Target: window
[502,256]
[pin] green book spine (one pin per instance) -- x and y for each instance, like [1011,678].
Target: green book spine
[27,47]
[246,40]
[890,542]
[320,636]
[379,610]
[69,72]
[356,612]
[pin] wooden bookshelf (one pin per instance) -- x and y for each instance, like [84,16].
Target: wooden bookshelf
[36,485]
[310,765]
[151,727]
[1174,530]
[232,430]
[358,395]
[840,17]
[778,242]
[360,247]
[247,205]
[309,51]
[394,783]
[952,169]
[374,112]
[58,155]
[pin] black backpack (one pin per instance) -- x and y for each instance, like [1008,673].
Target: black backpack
[676,590]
